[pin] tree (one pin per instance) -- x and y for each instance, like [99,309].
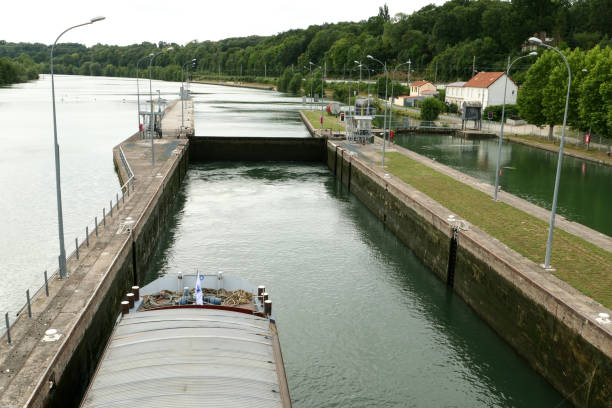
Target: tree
[431,108]
[283,82]
[595,92]
[295,84]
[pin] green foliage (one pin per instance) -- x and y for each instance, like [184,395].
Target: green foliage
[541,100]
[283,81]
[295,85]
[452,108]
[431,108]
[14,71]
[511,111]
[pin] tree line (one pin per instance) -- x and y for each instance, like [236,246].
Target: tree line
[448,42]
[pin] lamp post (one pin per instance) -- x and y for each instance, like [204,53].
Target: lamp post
[138,89]
[501,133]
[539,42]
[358,83]
[385,113]
[310,64]
[151,119]
[58,187]
[193,61]
[322,81]
[392,78]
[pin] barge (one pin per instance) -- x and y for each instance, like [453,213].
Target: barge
[212,344]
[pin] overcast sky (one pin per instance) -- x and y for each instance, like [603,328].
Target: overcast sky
[181,21]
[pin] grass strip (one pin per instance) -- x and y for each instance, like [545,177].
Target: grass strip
[581,264]
[329,121]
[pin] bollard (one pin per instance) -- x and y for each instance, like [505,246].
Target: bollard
[96,224]
[130,299]
[46,285]
[76,244]
[264,296]
[111,208]
[87,236]
[125,307]
[136,292]
[104,216]
[268,307]
[260,291]
[29,307]
[8,328]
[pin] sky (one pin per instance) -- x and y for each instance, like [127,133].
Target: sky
[135,21]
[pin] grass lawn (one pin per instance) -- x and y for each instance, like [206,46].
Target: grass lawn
[578,150]
[584,266]
[329,121]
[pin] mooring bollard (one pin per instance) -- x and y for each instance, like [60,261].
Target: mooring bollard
[96,224]
[104,216]
[29,307]
[76,244]
[111,208]
[125,307]
[46,285]
[8,328]
[87,235]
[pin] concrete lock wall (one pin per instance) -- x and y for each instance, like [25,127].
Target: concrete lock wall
[127,270]
[554,343]
[205,148]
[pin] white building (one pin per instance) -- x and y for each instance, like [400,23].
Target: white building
[454,93]
[488,89]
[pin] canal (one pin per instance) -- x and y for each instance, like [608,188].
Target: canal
[584,191]
[362,322]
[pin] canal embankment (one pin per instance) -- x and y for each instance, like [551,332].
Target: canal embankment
[52,369]
[232,84]
[549,322]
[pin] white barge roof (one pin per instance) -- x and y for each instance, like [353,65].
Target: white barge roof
[190,357]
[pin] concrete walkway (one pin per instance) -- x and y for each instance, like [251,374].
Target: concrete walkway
[29,365]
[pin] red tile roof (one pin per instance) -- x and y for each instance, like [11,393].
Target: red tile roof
[483,79]
[419,83]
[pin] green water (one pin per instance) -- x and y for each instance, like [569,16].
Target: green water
[585,188]
[362,322]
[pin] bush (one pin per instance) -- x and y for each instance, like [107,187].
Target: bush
[283,82]
[452,108]
[431,108]
[511,110]
[295,84]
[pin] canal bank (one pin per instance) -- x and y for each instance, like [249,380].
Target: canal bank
[41,369]
[549,323]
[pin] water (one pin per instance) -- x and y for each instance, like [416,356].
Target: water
[362,322]
[585,188]
[93,115]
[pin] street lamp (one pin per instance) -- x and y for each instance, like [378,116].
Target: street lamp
[539,42]
[322,87]
[58,187]
[501,133]
[138,89]
[151,119]
[385,113]
[193,61]
[392,78]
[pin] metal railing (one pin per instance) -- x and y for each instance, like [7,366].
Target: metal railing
[126,189]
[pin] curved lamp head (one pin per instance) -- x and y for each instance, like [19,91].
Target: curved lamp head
[95,19]
[151,55]
[169,49]
[532,54]
[194,60]
[535,40]
[370,57]
[357,62]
